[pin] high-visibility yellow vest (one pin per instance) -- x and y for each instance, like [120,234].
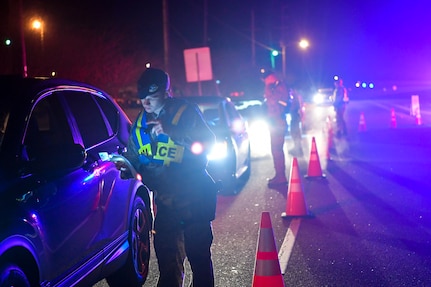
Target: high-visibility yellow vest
[163,150]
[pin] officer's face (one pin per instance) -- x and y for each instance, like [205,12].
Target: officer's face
[154,103]
[270,79]
[338,83]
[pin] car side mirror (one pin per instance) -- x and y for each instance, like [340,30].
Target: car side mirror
[57,158]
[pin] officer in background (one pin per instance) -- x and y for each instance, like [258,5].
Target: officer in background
[295,111]
[277,105]
[340,99]
[167,146]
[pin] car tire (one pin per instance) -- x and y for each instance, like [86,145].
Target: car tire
[12,275]
[134,272]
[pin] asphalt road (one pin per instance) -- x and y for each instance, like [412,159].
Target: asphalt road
[369,219]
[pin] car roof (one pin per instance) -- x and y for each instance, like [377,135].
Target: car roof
[17,89]
[206,99]
[325,90]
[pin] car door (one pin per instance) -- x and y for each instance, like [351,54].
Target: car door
[97,122]
[65,204]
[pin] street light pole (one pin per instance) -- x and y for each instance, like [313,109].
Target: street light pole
[303,44]
[283,58]
[166,34]
[23,49]
[38,25]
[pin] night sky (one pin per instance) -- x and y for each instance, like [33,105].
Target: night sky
[380,40]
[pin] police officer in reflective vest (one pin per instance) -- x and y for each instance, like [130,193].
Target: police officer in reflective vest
[277,106]
[340,100]
[167,146]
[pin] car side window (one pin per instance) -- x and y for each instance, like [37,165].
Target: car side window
[212,116]
[88,118]
[110,112]
[233,114]
[47,126]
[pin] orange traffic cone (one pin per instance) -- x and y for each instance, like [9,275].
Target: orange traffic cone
[393,119]
[362,124]
[314,168]
[267,271]
[295,205]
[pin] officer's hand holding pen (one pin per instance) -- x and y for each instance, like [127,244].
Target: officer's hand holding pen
[156,127]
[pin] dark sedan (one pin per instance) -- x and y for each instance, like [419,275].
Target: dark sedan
[67,216]
[230,158]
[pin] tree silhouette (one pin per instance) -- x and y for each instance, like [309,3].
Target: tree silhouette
[110,59]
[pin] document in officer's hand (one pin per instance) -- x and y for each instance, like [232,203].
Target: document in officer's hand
[127,169]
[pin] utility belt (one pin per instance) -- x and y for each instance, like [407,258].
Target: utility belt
[192,199]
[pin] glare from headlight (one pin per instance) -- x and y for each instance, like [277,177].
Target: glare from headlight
[237,125]
[318,98]
[219,151]
[258,127]
[259,137]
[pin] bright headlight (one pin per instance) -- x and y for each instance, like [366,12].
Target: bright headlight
[318,98]
[259,136]
[218,151]
[258,127]
[237,126]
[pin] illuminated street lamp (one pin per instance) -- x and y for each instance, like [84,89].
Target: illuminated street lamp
[303,44]
[37,24]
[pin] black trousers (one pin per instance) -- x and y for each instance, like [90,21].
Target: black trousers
[339,118]
[175,240]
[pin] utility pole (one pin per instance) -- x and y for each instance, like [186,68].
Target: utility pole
[166,34]
[283,40]
[23,48]
[253,39]
[205,39]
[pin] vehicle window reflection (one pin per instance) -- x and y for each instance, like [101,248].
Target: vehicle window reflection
[212,116]
[47,126]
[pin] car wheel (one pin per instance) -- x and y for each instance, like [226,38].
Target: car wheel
[12,275]
[135,271]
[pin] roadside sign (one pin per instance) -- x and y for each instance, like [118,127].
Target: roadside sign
[198,64]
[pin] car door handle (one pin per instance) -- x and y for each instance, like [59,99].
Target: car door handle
[90,165]
[26,196]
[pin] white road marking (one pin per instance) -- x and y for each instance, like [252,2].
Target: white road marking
[287,246]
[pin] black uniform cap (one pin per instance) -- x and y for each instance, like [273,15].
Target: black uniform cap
[152,81]
[265,73]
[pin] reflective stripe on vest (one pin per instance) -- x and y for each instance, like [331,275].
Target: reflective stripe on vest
[177,116]
[167,151]
[143,139]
